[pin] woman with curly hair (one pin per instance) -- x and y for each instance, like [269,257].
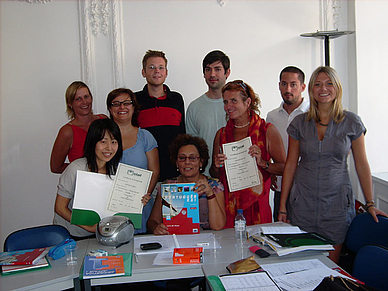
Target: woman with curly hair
[190,154]
[241,107]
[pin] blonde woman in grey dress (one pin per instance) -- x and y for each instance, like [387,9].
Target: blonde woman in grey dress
[316,192]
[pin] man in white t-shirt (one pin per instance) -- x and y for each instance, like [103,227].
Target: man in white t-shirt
[205,115]
[291,86]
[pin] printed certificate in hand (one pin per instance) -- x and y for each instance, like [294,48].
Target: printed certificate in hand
[130,185]
[241,168]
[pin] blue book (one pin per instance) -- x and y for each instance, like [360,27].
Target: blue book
[105,266]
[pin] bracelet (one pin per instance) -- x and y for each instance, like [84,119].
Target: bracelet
[267,166]
[211,197]
[368,205]
[282,212]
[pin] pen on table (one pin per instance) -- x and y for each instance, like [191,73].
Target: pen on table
[247,236]
[136,257]
[176,241]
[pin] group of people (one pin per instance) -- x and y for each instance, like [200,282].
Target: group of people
[301,148]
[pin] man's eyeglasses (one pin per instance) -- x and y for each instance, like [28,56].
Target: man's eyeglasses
[118,103]
[160,68]
[191,159]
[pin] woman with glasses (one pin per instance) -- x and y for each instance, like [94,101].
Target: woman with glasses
[241,107]
[190,155]
[71,137]
[139,146]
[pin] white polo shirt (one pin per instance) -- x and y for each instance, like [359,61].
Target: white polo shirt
[281,119]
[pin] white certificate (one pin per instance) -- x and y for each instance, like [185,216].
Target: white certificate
[130,185]
[241,168]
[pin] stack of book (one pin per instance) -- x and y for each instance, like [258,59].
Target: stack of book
[285,242]
[23,260]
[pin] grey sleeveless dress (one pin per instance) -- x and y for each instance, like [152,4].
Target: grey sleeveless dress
[321,199]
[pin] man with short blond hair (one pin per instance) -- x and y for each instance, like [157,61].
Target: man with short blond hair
[162,111]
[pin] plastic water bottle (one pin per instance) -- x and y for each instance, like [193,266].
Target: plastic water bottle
[240,225]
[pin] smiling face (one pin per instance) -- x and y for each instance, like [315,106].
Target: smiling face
[290,88]
[82,103]
[189,168]
[105,150]
[323,89]
[234,105]
[122,113]
[215,75]
[155,71]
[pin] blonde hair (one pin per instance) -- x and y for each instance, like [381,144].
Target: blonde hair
[70,95]
[336,111]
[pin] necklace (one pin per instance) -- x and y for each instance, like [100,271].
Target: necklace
[242,126]
[323,124]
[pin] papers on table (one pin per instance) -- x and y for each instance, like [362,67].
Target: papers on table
[165,253]
[129,186]
[276,227]
[259,281]
[205,240]
[299,275]
[241,168]
[280,229]
[285,239]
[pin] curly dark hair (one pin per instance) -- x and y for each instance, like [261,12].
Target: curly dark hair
[187,139]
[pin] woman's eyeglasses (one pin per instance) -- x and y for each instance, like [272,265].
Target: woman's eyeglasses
[191,159]
[118,103]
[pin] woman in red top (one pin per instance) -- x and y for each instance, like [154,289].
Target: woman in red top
[71,137]
[241,104]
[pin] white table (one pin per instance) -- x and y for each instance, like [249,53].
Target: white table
[60,276]
[214,262]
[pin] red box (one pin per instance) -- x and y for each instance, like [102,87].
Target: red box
[188,255]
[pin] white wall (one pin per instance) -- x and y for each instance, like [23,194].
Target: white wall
[41,54]
[372,75]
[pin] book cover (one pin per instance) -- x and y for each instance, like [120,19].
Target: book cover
[299,239]
[22,257]
[188,255]
[180,208]
[22,268]
[105,266]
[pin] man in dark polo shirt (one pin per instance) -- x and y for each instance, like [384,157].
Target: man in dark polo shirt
[162,111]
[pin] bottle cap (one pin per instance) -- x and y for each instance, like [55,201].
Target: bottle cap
[239,211]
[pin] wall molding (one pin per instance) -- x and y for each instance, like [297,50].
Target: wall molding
[101,18]
[118,43]
[36,1]
[330,14]
[222,2]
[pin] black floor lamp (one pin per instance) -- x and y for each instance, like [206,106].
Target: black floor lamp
[326,35]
